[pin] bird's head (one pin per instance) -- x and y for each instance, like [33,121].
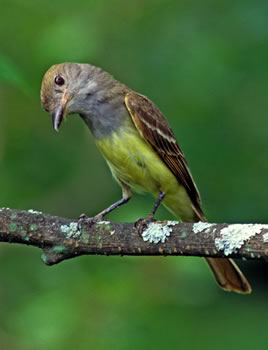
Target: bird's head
[69,88]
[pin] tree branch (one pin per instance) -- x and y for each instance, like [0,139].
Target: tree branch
[60,238]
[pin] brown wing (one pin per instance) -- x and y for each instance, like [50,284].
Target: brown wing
[153,126]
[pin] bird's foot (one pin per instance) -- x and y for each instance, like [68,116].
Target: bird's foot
[85,220]
[142,223]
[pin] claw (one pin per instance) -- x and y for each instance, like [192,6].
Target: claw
[85,220]
[142,223]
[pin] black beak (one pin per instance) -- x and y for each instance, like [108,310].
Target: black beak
[59,112]
[57,117]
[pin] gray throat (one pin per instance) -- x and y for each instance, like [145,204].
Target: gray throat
[106,113]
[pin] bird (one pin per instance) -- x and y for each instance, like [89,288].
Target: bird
[138,145]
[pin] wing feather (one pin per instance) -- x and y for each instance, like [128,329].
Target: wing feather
[153,126]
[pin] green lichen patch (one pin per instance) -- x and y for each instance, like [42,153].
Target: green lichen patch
[98,241]
[60,249]
[184,234]
[33,227]
[104,225]
[24,235]
[84,237]
[12,227]
[44,258]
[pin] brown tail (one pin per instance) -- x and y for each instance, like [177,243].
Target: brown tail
[228,275]
[226,272]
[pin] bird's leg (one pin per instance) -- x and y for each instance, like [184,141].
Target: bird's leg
[126,195]
[160,197]
[142,223]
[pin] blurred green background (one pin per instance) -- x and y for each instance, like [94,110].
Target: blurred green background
[205,65]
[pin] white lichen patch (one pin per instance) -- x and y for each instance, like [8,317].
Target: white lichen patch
[201,226]
[171,223]
[156,232]
[234,236]
[4,209]
[32,211]
[265,238]
[102,222]
[71,230]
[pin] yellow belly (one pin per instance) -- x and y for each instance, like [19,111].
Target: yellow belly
[133,162]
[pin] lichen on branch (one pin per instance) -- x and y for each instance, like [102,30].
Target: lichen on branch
[61,238]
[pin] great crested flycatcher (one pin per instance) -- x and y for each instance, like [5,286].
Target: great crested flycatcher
[137,143]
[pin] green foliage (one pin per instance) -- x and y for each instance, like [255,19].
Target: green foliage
[11,74]
[205,65]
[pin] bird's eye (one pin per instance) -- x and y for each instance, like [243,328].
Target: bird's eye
[59,80]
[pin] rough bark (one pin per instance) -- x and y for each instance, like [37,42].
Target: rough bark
[60,239]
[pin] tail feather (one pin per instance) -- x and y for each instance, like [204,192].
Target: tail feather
[228,275]
[226,272]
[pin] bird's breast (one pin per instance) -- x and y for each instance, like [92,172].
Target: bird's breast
[133,161]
